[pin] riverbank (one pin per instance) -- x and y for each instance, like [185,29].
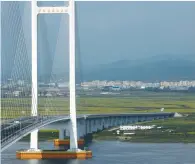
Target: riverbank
[174,130]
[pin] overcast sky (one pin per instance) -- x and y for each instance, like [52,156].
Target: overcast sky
[130,30]
[112,31]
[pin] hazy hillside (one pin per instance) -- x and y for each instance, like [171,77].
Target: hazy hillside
[149,71]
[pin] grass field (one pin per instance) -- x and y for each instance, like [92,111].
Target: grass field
[173,130]
[133,103]
[183,128]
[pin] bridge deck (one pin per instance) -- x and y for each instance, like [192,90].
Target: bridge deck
[15,129]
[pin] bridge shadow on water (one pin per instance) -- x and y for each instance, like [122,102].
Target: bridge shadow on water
[88,141]
[56,161]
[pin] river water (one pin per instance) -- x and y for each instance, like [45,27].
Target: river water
[115,152]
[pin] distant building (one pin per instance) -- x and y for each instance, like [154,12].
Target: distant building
[20,82]
[136,127]
[52,84]
[143,87]
[16,93]
[107,88]
[48,95]
[63,85]
[115,88]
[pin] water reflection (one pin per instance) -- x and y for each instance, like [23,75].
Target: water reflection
[55,161]
[113,152]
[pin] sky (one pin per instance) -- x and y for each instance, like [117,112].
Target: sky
[112,31]
[106,32]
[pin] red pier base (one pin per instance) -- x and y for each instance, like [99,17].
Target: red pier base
[66,142]
[53,154]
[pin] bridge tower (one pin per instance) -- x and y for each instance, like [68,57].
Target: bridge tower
[34,89]
[70,10]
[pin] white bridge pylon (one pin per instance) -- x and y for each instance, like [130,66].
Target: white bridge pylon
[70,10]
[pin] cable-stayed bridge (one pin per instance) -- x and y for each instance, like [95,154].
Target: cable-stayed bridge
[16,129]
[26,113]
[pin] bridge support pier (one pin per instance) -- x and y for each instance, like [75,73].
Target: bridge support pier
[67,133]
[61,134]
[34,140]
[64,138]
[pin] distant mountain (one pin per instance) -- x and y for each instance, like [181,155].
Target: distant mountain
[152,70]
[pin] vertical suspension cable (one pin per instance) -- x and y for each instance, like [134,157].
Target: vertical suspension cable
[51,75]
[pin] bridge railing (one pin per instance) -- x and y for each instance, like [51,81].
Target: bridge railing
[36,122]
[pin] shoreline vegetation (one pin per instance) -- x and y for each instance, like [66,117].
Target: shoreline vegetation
[174,130]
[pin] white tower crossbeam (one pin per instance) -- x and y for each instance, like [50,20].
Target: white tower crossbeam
[73,122]
[52,10]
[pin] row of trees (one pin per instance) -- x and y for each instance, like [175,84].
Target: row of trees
[168,89]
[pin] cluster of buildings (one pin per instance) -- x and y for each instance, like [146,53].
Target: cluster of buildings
[130,129]
[136,127]
[20,88]
[178,85]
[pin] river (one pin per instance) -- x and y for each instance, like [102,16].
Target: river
[115,152]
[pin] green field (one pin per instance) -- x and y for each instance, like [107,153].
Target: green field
[183,129]
[133,103]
